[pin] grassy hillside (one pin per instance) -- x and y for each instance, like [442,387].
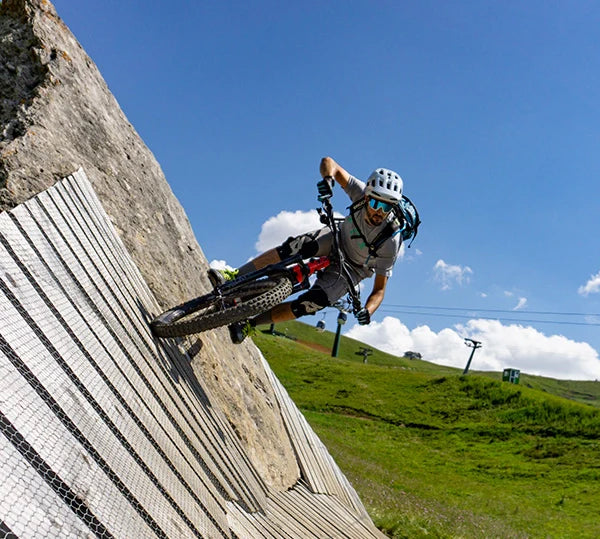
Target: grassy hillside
[434,453]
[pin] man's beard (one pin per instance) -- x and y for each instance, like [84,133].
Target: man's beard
[374,220]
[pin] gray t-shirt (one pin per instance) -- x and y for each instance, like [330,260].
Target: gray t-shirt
[353,245]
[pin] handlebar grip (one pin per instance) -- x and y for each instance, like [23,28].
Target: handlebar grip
[325,188]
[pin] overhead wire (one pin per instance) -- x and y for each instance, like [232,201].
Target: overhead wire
[398,309]
[471,309]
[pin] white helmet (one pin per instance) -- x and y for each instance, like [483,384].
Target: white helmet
[385,184]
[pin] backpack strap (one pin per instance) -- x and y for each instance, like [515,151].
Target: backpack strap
[390,230]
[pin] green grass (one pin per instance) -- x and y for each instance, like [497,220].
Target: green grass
[437,454]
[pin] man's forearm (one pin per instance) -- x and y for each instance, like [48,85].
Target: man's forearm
[329,167]
[374,301]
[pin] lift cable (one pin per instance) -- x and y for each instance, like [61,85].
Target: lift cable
[385,309]
[556,313]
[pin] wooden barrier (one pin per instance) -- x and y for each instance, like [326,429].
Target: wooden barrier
[105,430]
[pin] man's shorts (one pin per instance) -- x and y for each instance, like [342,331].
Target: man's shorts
[329,286]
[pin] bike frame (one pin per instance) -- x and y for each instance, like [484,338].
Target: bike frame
[300,270]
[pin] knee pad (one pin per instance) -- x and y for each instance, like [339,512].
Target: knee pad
[310,302]
[305,245]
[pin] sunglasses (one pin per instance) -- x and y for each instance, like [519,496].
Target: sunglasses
[386,207]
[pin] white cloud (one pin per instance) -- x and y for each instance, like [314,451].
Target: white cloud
[514,346]
[592,286]
[448,275]
[219,264]
[522,302]
[285,224]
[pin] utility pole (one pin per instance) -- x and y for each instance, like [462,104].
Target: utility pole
[474,345]
[341,320]
[364,352]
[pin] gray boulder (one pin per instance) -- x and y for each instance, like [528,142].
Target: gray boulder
[57,115]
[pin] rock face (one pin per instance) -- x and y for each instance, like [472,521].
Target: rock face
[56,115]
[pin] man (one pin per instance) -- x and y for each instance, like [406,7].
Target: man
[369,237]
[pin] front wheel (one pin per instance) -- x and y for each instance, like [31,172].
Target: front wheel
[212,310]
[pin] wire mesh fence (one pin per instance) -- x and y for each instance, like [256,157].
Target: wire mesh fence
[103,431]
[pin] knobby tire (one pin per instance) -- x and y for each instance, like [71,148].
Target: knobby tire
[208,312]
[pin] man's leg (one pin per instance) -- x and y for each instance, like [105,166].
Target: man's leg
[310,302]
[268,257]
[328,288]
[280,313]
[315,243]
[311,244]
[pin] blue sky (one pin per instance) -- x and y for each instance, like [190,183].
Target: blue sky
[488,110]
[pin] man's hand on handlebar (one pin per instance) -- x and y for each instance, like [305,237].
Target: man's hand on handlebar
[363,316]
[325,187]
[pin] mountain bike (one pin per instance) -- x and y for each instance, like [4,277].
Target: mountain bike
[257,292]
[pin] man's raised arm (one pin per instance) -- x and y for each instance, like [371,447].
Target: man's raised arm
[330,168]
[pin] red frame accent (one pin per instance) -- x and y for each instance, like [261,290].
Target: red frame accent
[318,264]
[298,273]
[313,266]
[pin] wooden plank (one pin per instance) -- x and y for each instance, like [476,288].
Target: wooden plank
[236,465]
[299,513]
[339,515]
[69,345]
[123,422]
[321,472]
[57,450]
[45,312]
[206,432]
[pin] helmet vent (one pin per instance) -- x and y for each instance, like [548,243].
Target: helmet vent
[384,183]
